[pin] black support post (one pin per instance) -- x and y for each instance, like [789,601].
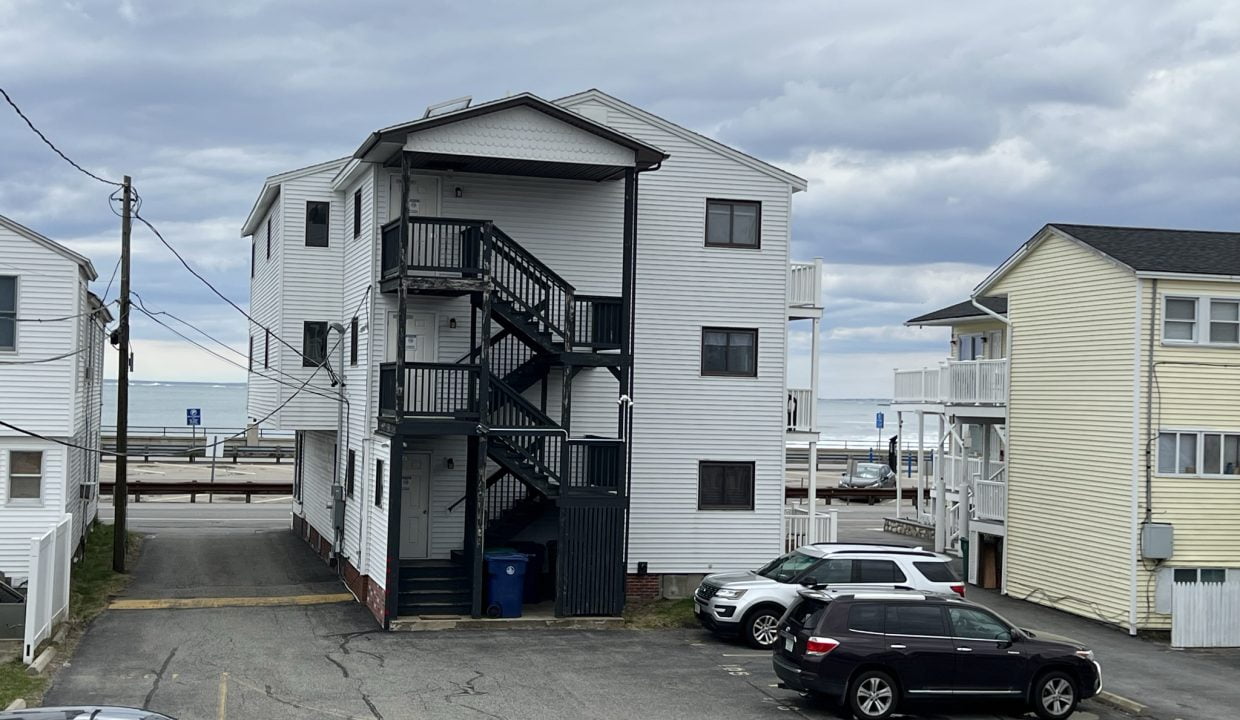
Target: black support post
[479,479]
[628,306]
[392,587]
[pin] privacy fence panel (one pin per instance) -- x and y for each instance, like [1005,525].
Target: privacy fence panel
[47,594]
[1205,614]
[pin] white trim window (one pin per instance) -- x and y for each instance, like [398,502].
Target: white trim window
[1198,453]
[1201,320]
[1180,319]
[8,312]
[25,475]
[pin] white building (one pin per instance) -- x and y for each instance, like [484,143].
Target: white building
[625,417]
[51,379]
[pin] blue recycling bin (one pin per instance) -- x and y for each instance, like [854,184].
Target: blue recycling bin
[505,583]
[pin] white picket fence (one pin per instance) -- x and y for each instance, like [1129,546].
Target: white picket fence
[1205,614]
[47,591]
[796,527]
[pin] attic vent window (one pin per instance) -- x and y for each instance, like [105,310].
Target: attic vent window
[447,106]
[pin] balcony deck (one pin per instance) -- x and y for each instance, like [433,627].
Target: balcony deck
[977,383]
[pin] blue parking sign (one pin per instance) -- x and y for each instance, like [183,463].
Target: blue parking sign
[878,421]
[193,416]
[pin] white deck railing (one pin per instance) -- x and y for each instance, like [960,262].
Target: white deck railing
[960,382]
[800,411]
[796,528]
[805,284]
[989,500]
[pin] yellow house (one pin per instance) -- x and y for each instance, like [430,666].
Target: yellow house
[1121,429]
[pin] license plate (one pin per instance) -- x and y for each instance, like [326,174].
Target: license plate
[789,643]
[697,608]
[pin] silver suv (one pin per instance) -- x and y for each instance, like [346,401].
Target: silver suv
[750,603]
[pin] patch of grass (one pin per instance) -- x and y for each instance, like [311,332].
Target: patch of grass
[659,614]
[93,581]
[15,683]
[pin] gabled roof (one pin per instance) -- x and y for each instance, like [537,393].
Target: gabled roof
[797,183]
[1196,252]
[50,244]
[271,190]
[961,311]
[382,143]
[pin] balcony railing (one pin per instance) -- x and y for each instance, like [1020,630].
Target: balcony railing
[800,414]
[963,382]
[436,245]
[805,284]
[599,322]
[989,500]
[431,390]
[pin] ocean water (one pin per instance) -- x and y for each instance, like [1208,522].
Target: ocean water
[154,405]
[163,404]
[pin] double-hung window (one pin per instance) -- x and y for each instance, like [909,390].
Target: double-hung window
[1180,319]
[25,475]
[1225,321]
[1198,453]
[733,224]
[313,343]
[1204,320]
[729,351]
[317,215]
[8,312]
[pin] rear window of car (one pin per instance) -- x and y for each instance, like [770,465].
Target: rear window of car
[937,571]
[866,617]
[915,620]
[807,612]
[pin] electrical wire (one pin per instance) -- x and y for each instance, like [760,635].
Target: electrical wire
[66,443]
[224,297]
[108,289]
[44,360]
[66,317]
[49,143]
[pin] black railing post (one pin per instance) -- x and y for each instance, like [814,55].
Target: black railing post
[484,414]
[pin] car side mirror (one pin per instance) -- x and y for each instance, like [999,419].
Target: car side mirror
[1008,637]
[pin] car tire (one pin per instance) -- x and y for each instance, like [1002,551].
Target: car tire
[873,695]
[761,627]
[1055,695]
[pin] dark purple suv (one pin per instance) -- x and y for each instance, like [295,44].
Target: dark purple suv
[875,651]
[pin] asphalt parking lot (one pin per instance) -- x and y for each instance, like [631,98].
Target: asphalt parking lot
[331,661]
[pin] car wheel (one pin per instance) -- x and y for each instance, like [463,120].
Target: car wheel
[762,627]
[1055,696]
[873,695]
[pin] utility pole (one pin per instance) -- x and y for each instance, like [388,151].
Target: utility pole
[120,489]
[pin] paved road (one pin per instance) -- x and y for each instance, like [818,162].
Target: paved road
[331,661]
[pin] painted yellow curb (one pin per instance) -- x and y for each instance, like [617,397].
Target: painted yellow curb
[222,602]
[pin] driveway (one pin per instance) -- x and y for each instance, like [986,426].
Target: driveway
[329,660]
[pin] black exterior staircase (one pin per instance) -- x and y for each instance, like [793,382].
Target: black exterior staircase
[434,587]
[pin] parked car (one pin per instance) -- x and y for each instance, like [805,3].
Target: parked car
[82,712]
[749,603]
[875,651]
[869,475]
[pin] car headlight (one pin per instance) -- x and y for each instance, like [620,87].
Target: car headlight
[1087,654]
[729,593]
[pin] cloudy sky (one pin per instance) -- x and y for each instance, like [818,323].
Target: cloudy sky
[935,137]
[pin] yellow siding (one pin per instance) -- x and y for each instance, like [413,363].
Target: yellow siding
[1070,430]
[1204,510]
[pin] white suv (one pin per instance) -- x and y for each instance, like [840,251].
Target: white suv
[750,603]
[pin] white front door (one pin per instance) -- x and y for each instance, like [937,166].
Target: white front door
[421,337]
[415,502]
[423,196]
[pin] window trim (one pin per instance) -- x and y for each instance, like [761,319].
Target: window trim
[17,299]
[757,244]
[357,213]
[306,360]
[727,373]
[1199,461]
[8,499]
[1196,571]
[753,482]
[327,240]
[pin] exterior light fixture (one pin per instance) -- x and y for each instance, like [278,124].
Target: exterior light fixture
[450,463]
[452,323]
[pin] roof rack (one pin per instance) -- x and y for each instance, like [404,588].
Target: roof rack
[890,551]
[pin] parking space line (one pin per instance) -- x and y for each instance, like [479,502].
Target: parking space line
[223,711]
[222,602]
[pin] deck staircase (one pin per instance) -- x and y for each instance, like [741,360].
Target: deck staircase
[434,587]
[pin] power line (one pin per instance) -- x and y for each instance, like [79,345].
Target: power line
[55,149]
[44,360]
[66,443]
[224,297]
[108,289]
[66,317]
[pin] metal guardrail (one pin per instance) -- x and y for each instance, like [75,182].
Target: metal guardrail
[195,488]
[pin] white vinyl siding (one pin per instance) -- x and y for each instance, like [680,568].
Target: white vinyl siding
[263,391]
[678,278]
[1070,440]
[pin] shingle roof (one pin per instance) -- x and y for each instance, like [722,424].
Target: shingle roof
[1155,250]
[962,310]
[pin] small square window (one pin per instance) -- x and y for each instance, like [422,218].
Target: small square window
[728,351]
[1213,575]
[1180,319]
[317,218]
[1185,575]
[725,485]
[733,223]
